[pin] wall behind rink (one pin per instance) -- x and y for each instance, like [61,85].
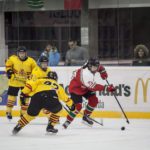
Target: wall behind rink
[133,91]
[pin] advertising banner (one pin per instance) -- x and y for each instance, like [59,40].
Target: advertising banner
[132,84]
[3,88]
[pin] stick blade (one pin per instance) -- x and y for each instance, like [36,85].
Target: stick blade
[128,122]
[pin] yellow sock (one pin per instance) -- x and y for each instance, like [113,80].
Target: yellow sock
[25,119]
[54,118]
[10,103]
[24,107]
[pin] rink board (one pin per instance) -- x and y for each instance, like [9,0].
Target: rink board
[132,83]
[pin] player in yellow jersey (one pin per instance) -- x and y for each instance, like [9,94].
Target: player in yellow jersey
[42,69]
[18,69]
[39,72]
[45,93]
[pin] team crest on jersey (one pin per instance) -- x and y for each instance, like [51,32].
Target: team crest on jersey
[22,72]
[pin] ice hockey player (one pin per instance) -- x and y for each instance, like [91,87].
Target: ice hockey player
[18,70]
[39,72]
[42,69]
[84,85]
[45,93]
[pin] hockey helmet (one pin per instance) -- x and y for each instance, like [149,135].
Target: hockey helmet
[43,62]
[52,75]
[21,49]
[93,62]
[43,59]
[22,56]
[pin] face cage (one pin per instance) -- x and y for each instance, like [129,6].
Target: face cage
[90,68]
[45,67]
[25,57]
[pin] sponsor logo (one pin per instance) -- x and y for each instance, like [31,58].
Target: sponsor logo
[144,87]
[121,90]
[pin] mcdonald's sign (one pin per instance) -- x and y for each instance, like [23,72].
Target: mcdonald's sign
[144,87]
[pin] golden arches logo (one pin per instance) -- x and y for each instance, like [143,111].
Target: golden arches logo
[144,87]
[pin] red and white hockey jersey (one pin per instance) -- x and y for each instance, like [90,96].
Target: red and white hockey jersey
[82,81]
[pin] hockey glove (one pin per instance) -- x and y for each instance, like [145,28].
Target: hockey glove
[23,98]
[102,72]
[9,73]
[70,104]
[72,108]
[110,88]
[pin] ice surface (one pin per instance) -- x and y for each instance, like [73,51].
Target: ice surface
[78,136]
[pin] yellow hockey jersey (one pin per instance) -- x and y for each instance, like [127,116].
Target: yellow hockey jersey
[39,73]
[22,70]
[32,87]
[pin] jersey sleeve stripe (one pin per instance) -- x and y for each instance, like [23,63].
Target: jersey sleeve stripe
[29,86]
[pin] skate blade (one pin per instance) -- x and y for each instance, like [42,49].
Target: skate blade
[85,123]
[9,120]
[50,133]
[14,133]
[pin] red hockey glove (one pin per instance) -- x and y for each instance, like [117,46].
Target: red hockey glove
[110,88]
[102,72]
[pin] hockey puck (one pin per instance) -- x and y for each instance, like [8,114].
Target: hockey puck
[122,128]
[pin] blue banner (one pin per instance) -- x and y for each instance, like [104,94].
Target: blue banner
[3,88]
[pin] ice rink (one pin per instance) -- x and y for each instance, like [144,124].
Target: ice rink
[78,136]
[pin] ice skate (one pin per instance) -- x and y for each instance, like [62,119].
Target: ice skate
[51,129]
[86,120]
[16,129]
[9,116]
[66,124]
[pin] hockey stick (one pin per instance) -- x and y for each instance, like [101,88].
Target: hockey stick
[100,123]
[83,115]
[119,105]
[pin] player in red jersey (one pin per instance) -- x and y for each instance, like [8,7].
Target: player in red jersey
[84,85]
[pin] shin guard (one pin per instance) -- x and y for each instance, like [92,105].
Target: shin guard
[92,103]
[73,114]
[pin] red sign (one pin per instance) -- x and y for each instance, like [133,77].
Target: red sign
[72,4]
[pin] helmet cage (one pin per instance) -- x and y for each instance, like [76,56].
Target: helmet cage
[42,60]
[20,50]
